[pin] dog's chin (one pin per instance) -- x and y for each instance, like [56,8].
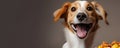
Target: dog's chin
[82,29]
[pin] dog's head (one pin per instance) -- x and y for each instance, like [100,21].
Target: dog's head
[81,17]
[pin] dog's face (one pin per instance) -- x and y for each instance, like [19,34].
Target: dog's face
[81,17]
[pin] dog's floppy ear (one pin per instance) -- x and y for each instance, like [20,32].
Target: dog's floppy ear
[102,14]
[61,13]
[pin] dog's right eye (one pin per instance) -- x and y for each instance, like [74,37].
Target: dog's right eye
[89,8]
[73,9]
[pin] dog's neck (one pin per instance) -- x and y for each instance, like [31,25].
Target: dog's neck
[73,41]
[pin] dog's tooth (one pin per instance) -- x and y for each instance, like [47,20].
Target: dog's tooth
[73,27]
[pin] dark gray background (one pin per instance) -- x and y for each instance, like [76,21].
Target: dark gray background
[29,24]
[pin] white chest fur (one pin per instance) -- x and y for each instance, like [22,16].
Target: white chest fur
[72,40]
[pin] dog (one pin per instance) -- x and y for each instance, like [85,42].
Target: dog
[80,19]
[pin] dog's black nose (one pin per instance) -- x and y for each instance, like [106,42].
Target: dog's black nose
[81,16]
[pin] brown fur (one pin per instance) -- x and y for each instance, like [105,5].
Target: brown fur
[102,11]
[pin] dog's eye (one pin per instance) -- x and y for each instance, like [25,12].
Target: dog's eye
[89,8]
[73,9]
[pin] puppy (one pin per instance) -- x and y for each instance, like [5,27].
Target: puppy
[80,19]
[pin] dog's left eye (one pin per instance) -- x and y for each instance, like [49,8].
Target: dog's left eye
[73,9]
[89,8]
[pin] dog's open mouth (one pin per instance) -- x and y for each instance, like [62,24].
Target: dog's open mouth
[82,29]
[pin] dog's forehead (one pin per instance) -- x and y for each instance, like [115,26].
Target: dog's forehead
[82,3]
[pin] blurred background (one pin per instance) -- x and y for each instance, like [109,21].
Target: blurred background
[29,24]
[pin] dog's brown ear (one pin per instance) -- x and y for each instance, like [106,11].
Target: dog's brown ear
[61,13]
[102,14]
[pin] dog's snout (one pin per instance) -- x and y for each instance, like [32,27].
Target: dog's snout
[81,16]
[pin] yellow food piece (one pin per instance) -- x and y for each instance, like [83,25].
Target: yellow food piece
[119,47]
[99,46]
[115,46]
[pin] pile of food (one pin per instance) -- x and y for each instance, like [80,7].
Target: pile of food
[114,44]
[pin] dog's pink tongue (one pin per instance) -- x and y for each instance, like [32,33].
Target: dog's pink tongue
[81,32]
